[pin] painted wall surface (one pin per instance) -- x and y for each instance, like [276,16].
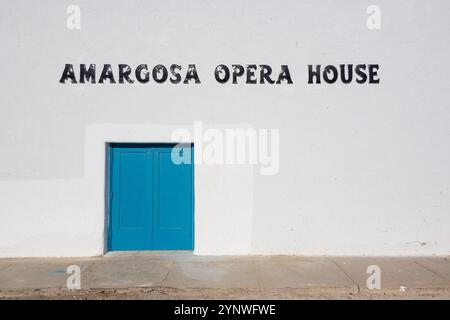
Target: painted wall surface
[364,169]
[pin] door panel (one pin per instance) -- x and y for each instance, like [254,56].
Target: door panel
[132,188]
[151,198]
[173,202]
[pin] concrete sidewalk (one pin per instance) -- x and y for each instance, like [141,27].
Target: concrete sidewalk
[156,275]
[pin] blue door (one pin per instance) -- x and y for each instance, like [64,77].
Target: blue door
[151,198]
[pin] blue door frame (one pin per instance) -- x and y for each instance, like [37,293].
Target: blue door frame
[150,203]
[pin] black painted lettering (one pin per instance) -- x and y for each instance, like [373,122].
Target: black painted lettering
[107,74]
[238,71]
[264,74]
[373,73]
[314,74]
[142,74]
[176,76]
[360,72]
[124,73]
[284,75]
[330,74]
[87,75]
[159,69]
[68,74]
[222,73]
[251,78]
[349,77]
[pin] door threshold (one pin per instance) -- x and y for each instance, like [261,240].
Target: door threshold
[148,253]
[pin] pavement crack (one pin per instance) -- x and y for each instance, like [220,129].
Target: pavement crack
[432,271]
[348,276]
[168,272]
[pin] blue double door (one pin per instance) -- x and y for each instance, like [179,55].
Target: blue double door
[151,197]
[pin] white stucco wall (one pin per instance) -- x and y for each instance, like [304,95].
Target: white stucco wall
[364,169]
